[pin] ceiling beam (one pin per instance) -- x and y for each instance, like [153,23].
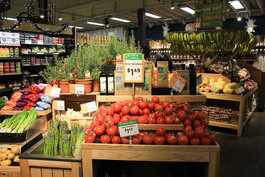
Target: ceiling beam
[260,5]
[246,4]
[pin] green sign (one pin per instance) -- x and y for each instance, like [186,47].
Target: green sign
[209,15]
[133,56]
[127,123]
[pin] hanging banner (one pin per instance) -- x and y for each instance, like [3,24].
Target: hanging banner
[133,68]
[209,15]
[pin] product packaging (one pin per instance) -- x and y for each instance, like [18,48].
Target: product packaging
[146,87]
[162,73]
[122,88]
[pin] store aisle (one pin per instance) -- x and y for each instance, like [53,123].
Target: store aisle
[244,156]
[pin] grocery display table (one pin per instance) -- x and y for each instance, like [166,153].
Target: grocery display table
[152,153]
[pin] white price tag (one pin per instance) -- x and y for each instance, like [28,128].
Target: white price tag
[128,128]
[79,89]
[28,42]
[240,90]
[40,42]
[55,92]
[213,88]
[133,68]
[88,107]
[59,105]
[178,86]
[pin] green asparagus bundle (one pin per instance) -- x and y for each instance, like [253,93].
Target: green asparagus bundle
[66,144]
[54,127]
[64,132]
[73,135]
[3,124]
[81,137]
[49,143]
[62,125]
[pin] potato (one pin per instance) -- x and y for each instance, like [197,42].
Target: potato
[3,156]
[16,159]
[15,150]
[4,149]
[11,156]
[8,152]
[6,163]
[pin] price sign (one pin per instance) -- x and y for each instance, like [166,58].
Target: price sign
[128,128]
[28,42]
[40,42]
[88,107]
[213,88]
[53,92]
[240,90]
[59,105]
[78,89]
[133,68]
[180,82]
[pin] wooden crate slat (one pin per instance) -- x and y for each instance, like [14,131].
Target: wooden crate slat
[156,126]
[40,113]
[57,173]
[46,172]
[67,173]
[49,164]
[35,172]
[223,124]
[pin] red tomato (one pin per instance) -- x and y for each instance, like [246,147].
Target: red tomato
[155,99]
[174,115]
[151,105]
[186,108]
[187,122]
[206,132]
[135,103]
[148,139]
[142,134]
[146,111]
[115,140]
[177,120]
[127,103]
[116,118]
[159,108]
[88,131]
[201,116]
[196,123]
[187,128]
[159,114]
[103,113]
[99,130]
[211,137]
[110,122]
[183,140]
[135,118]
[195,113]
[100,120]
[169,120]
[140,111]
[189,134]
[205,141]
[124,119]
[110,111]
[151,120]
[101,108]
[136,140]
[112,131]
[199,132]
[182,115]
[125,141]
[168,110]
[117,107]
[165,104]
[90,139]
[143,104]
[139,98]
[105,139]
[125,110]
[160,131]
[134,110]
[204,123]
[159,140]
[93,125]
[142,120]
[195,141]
[160,120]
[192,117]
[172,139]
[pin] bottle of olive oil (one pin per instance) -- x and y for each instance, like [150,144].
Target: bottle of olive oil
[110,81]
[103,81]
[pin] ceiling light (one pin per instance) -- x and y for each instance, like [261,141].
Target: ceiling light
[172,7]
[120,20]
[239,18]
[42,16]
[60,18]
[151,15]
[236,4]
[187,9]
[13,19]
[94,23]
[77,27]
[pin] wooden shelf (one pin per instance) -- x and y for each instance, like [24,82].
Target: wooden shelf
[11,45]
[223,124]
[156,126]
[248,117]
[43,44]
[40,113]
[92,93]
[10,58]
[10,74]
[178,58]
[42,54]
[222,96]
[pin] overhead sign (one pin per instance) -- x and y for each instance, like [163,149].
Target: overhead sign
[133,68]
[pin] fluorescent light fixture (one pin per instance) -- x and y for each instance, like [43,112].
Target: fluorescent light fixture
[151,15]
[13,19]
[77,27]
[236,4]
[94,23]
[172,6]
[120,19]
[187,9]
[42,16]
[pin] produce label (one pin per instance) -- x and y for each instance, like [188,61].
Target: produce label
[78,89]
[53,92]
[89,107]
[179,83]
[40,42]
[59,105]
[133,68]
[213,88]
[128,128]
[28,42]
[240,90]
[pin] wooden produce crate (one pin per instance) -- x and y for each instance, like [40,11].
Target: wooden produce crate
[244,117]
[152,153]
[46,114]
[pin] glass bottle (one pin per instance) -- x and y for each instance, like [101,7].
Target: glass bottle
[192,80]
[111,81]
[103,81]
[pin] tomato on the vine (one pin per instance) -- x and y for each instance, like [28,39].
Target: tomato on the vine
[172,139]
[125,110]
[125,141]
[142,120]
[105,139]
[134,110]
[135,103]
[182,115]
[160,131]
[112,131]
[148,139]
[116,118]
[155,99]
[151,105]
[160,120]
[88,131]
[90,139]
[110,111]
[146,111]
[165,104]
[143,104]
[183,140]
[136,140]
[159,140]
[168,110]
[99,130]
[117,107]
[124,119]
[169,120]
[151,120]
[159,108]
[115,140]
[195,141]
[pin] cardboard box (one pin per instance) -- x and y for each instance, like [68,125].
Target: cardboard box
[162,73]
[120,87]
[119,66]
[148,65]
[146,87]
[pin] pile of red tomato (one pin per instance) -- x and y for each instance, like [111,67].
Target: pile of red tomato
[105,130]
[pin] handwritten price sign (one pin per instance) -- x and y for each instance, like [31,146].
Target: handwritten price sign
[133,68]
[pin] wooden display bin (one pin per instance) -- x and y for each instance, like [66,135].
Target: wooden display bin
[152,153]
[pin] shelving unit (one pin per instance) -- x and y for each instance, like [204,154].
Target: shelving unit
[10,74]
[10,58]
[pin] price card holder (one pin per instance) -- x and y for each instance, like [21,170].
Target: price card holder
[178,83]
[28,42]
[53,92]
[40,42]
[59,105]
[133,68]
[78,89]
[240,90]
[213,88]
[128,128]
[89,107]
